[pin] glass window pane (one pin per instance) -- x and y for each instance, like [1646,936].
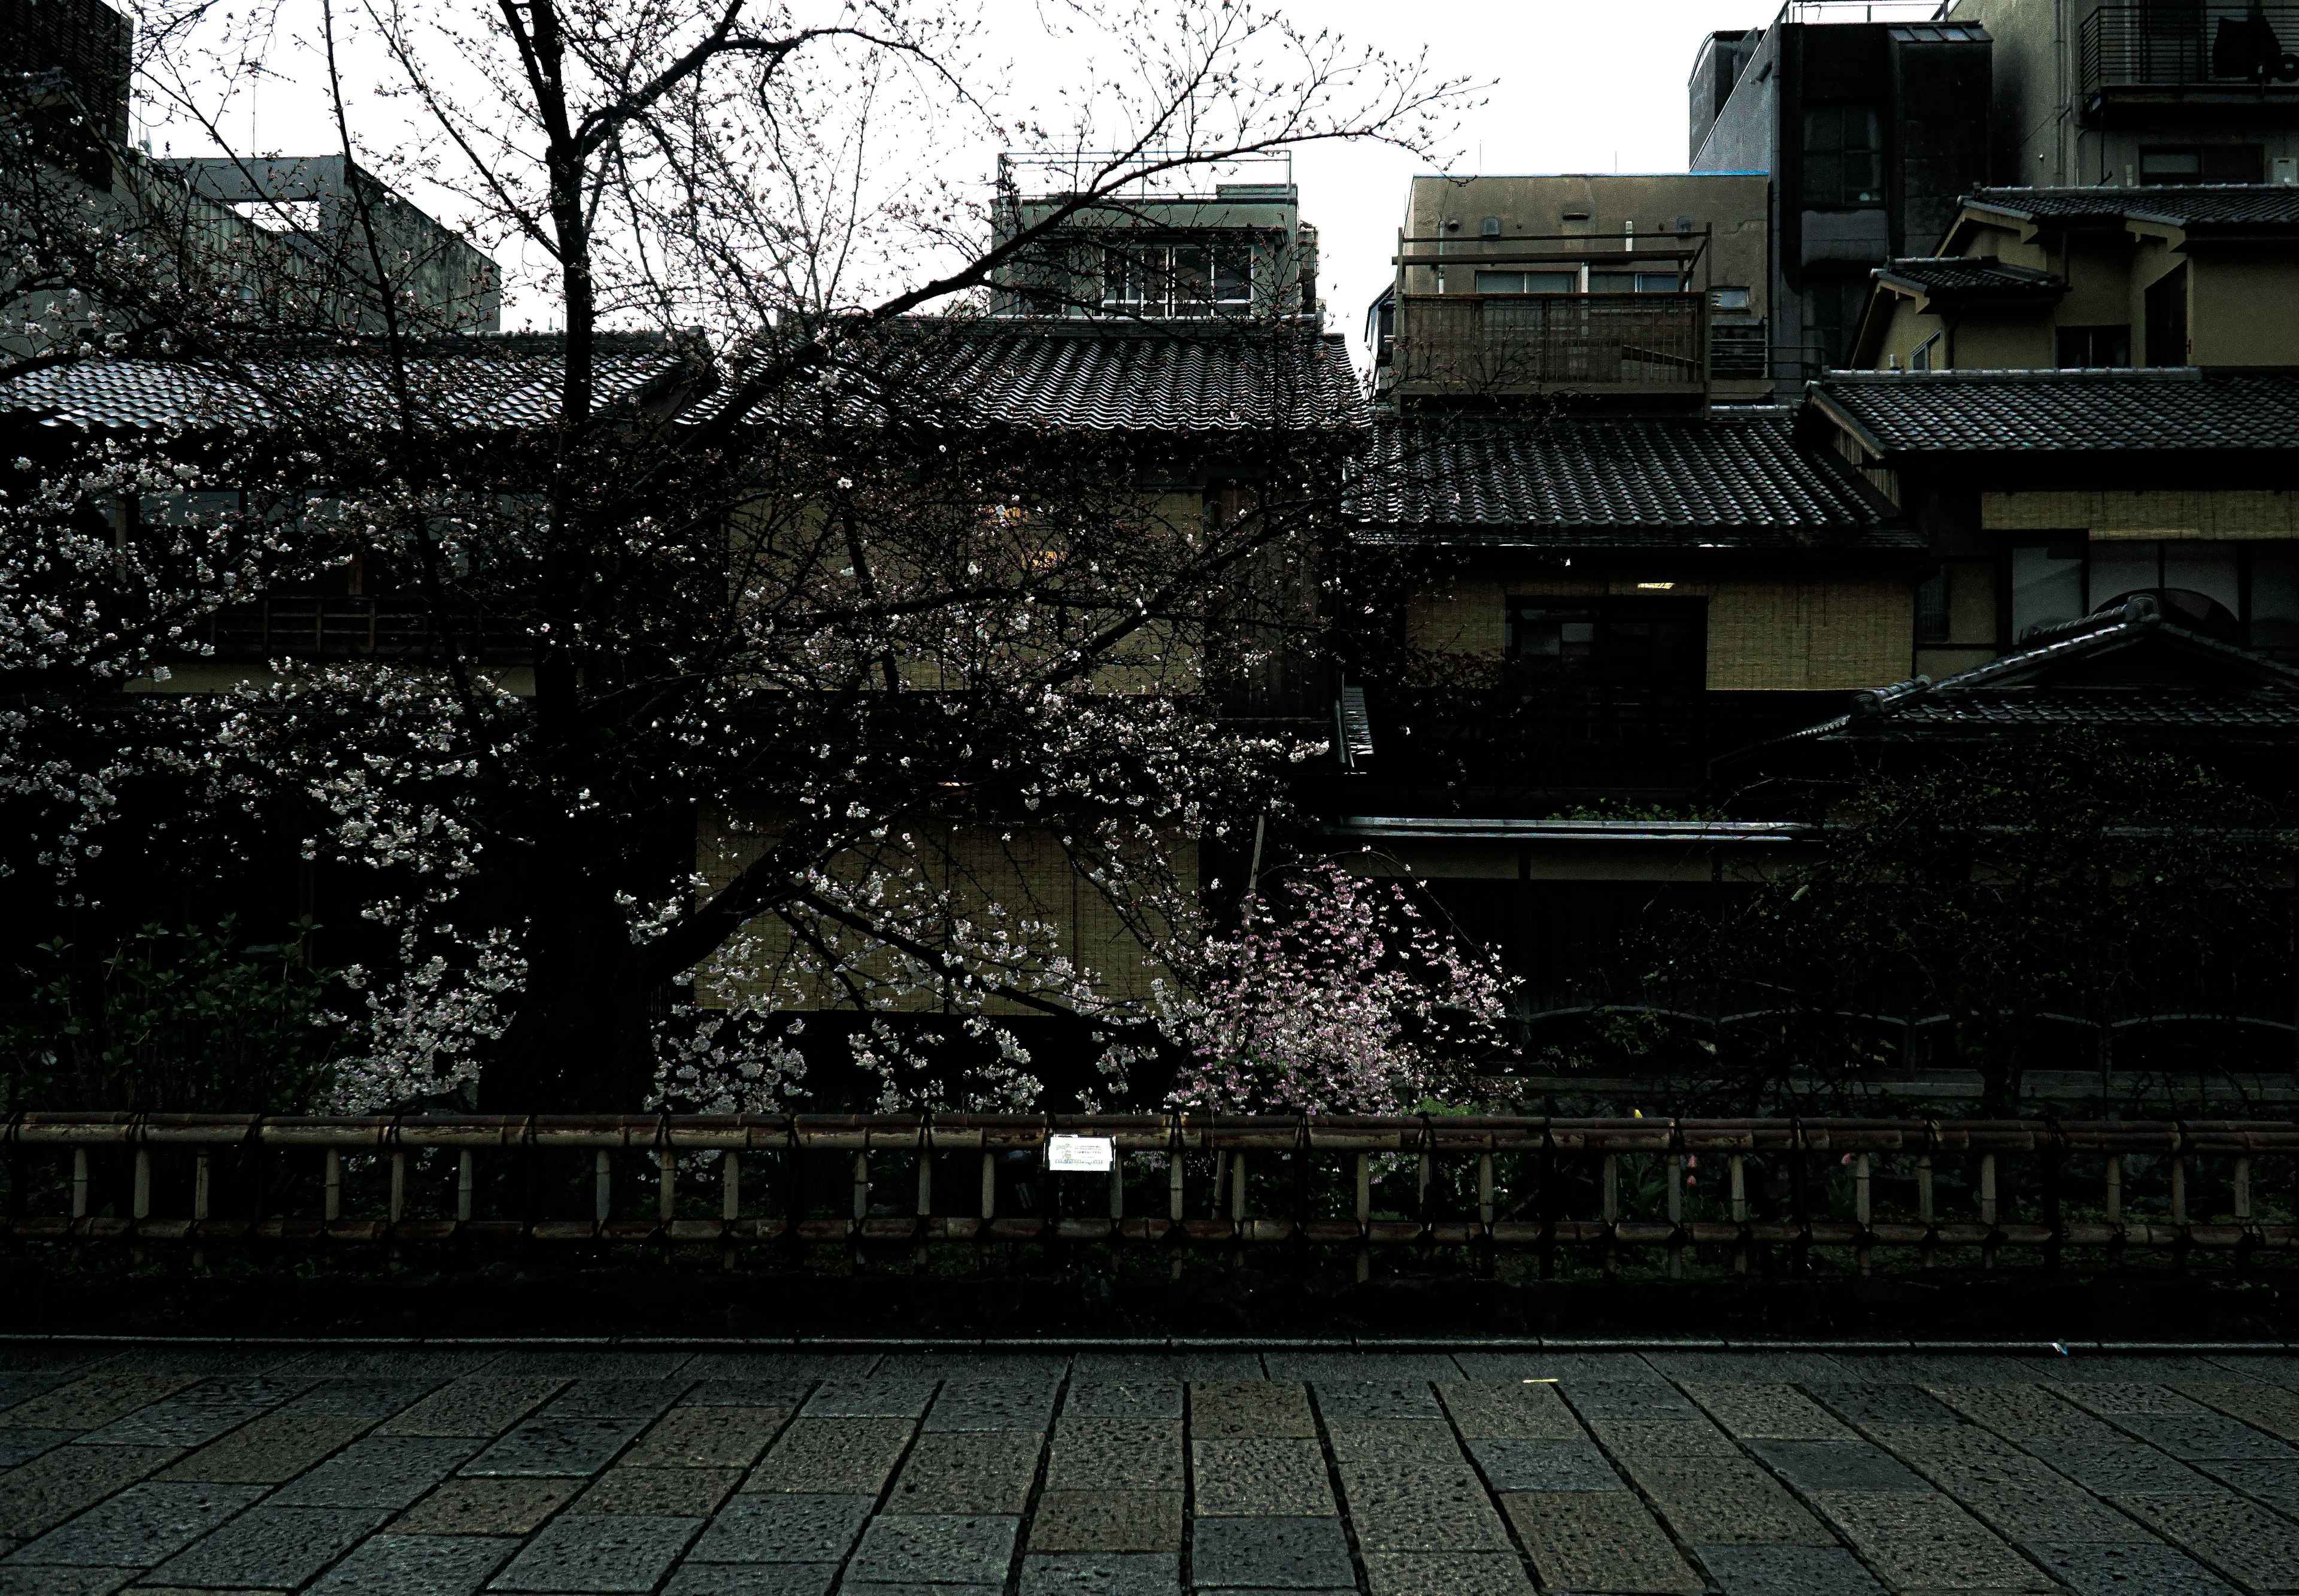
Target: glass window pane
[1611,282]
[1552,282]
[2047,585]
[2117,568]
[2275,595]
[1500,282]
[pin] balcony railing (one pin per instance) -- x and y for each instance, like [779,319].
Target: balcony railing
[2218,51]
[361,629]
[1470,343]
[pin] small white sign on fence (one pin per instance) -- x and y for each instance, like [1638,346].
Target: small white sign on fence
[1080,1152]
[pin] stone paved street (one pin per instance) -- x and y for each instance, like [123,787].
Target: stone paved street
[444,1472]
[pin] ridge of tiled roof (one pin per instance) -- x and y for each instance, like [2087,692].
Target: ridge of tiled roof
[482,383]
[1971,277]
[2184,205]
[2150,409]
[1719,482]
[1096,375]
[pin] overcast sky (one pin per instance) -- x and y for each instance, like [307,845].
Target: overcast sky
[1577,86]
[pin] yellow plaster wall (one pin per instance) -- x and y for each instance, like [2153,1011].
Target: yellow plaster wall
[1780,633]
[2200,513]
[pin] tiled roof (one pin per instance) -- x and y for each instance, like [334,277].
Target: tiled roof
[1725,481]
[2251,695]
[2164,408]
[2202,205]
[1116,375]
[475,383]
[1971,277]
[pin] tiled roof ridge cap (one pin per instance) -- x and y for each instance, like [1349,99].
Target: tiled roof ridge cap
[1977,374]
[1189,330]
[1877,700]
[2140,609]
[2107,188]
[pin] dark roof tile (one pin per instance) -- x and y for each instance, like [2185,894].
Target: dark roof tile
[1972,278]
[2160,409]
[2200,205]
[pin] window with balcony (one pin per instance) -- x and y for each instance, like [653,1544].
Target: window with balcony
[1634,282]
[1178,277]
[1529,282]
[1843,157]
[2202,163]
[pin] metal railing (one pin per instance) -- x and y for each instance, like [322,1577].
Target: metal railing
[358,629]
[2169,47]
[1472,343]
[1544,1186]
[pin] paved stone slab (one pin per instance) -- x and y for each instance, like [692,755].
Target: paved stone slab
[1183,1366]
[478,1408]
[2117,1399]
[1548,1466]
[869,1399]
[142,1526]
[783,1528]
[268,1546]
[751,1579]
[1888,1404]
[1446,1573]
[382,1471]
[707,1437]
[591,1363]
[93,1401]
[1106,1521]
[2090,1570]
[2241,1538]
[1728,1501]
[1928,1369]
[1016,1367]
[1270,1554]
[1287,1364]
[616,1398]
[1486,1409]
[1835,1466]
[52,1580]
[2025,1413]
[1376,1399]
[22,1385]
[1610,1368]
[21,1446]
[955,1548]
[806,1366]
[1097,1574]
[600,1554]
[2273,1408]
[487,1507]
[2126,1469]
[2018,1496]
[748,1393]
[1747,1367]
[1392,1440]
[2193,1437]
[1116,1454]
[659,1492]
[1631,1439]
[416,1565]
[2275,1481]
[202,1359]
[838,1455]
[1627,1400]
[967,1472]
[1921,1540]
[916,1587]
[266,1450]
[1786,1571]
[195,1415]
[1124,1398]
[1280,1478]
[1758,1412]
[369,1397]
[41,1494]
[1230,1409]
[992,1405]
[431,1363]
[1599,1541]
[546,1445]
[1421,1506]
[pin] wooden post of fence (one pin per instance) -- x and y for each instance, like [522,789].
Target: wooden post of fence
[79,1183]
[199,1206]
[861,1190]
[2243,1189]
[1364,1218]
[730,1206]
[989,1186]
[1987,1208]
[1862,1209]
[2115,1188]
[1928,1254]
[1740,1212]
[1676,1216]
[665,1200]
[140,1201]
[399,1184]
[466,1183]
[1237,1194]
[332,1179]
[1117,1190]
[602,1187]
[1174,1195]
[1612,1172]
[925,1201]
[2179,1210]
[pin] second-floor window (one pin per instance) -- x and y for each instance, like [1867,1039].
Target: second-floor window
[2202,163]
[1843,157]
[1657,642]
[1178,277]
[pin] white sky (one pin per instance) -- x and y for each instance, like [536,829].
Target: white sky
[1577,86]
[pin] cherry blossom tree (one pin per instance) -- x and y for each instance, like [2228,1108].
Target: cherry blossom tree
[808,651]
